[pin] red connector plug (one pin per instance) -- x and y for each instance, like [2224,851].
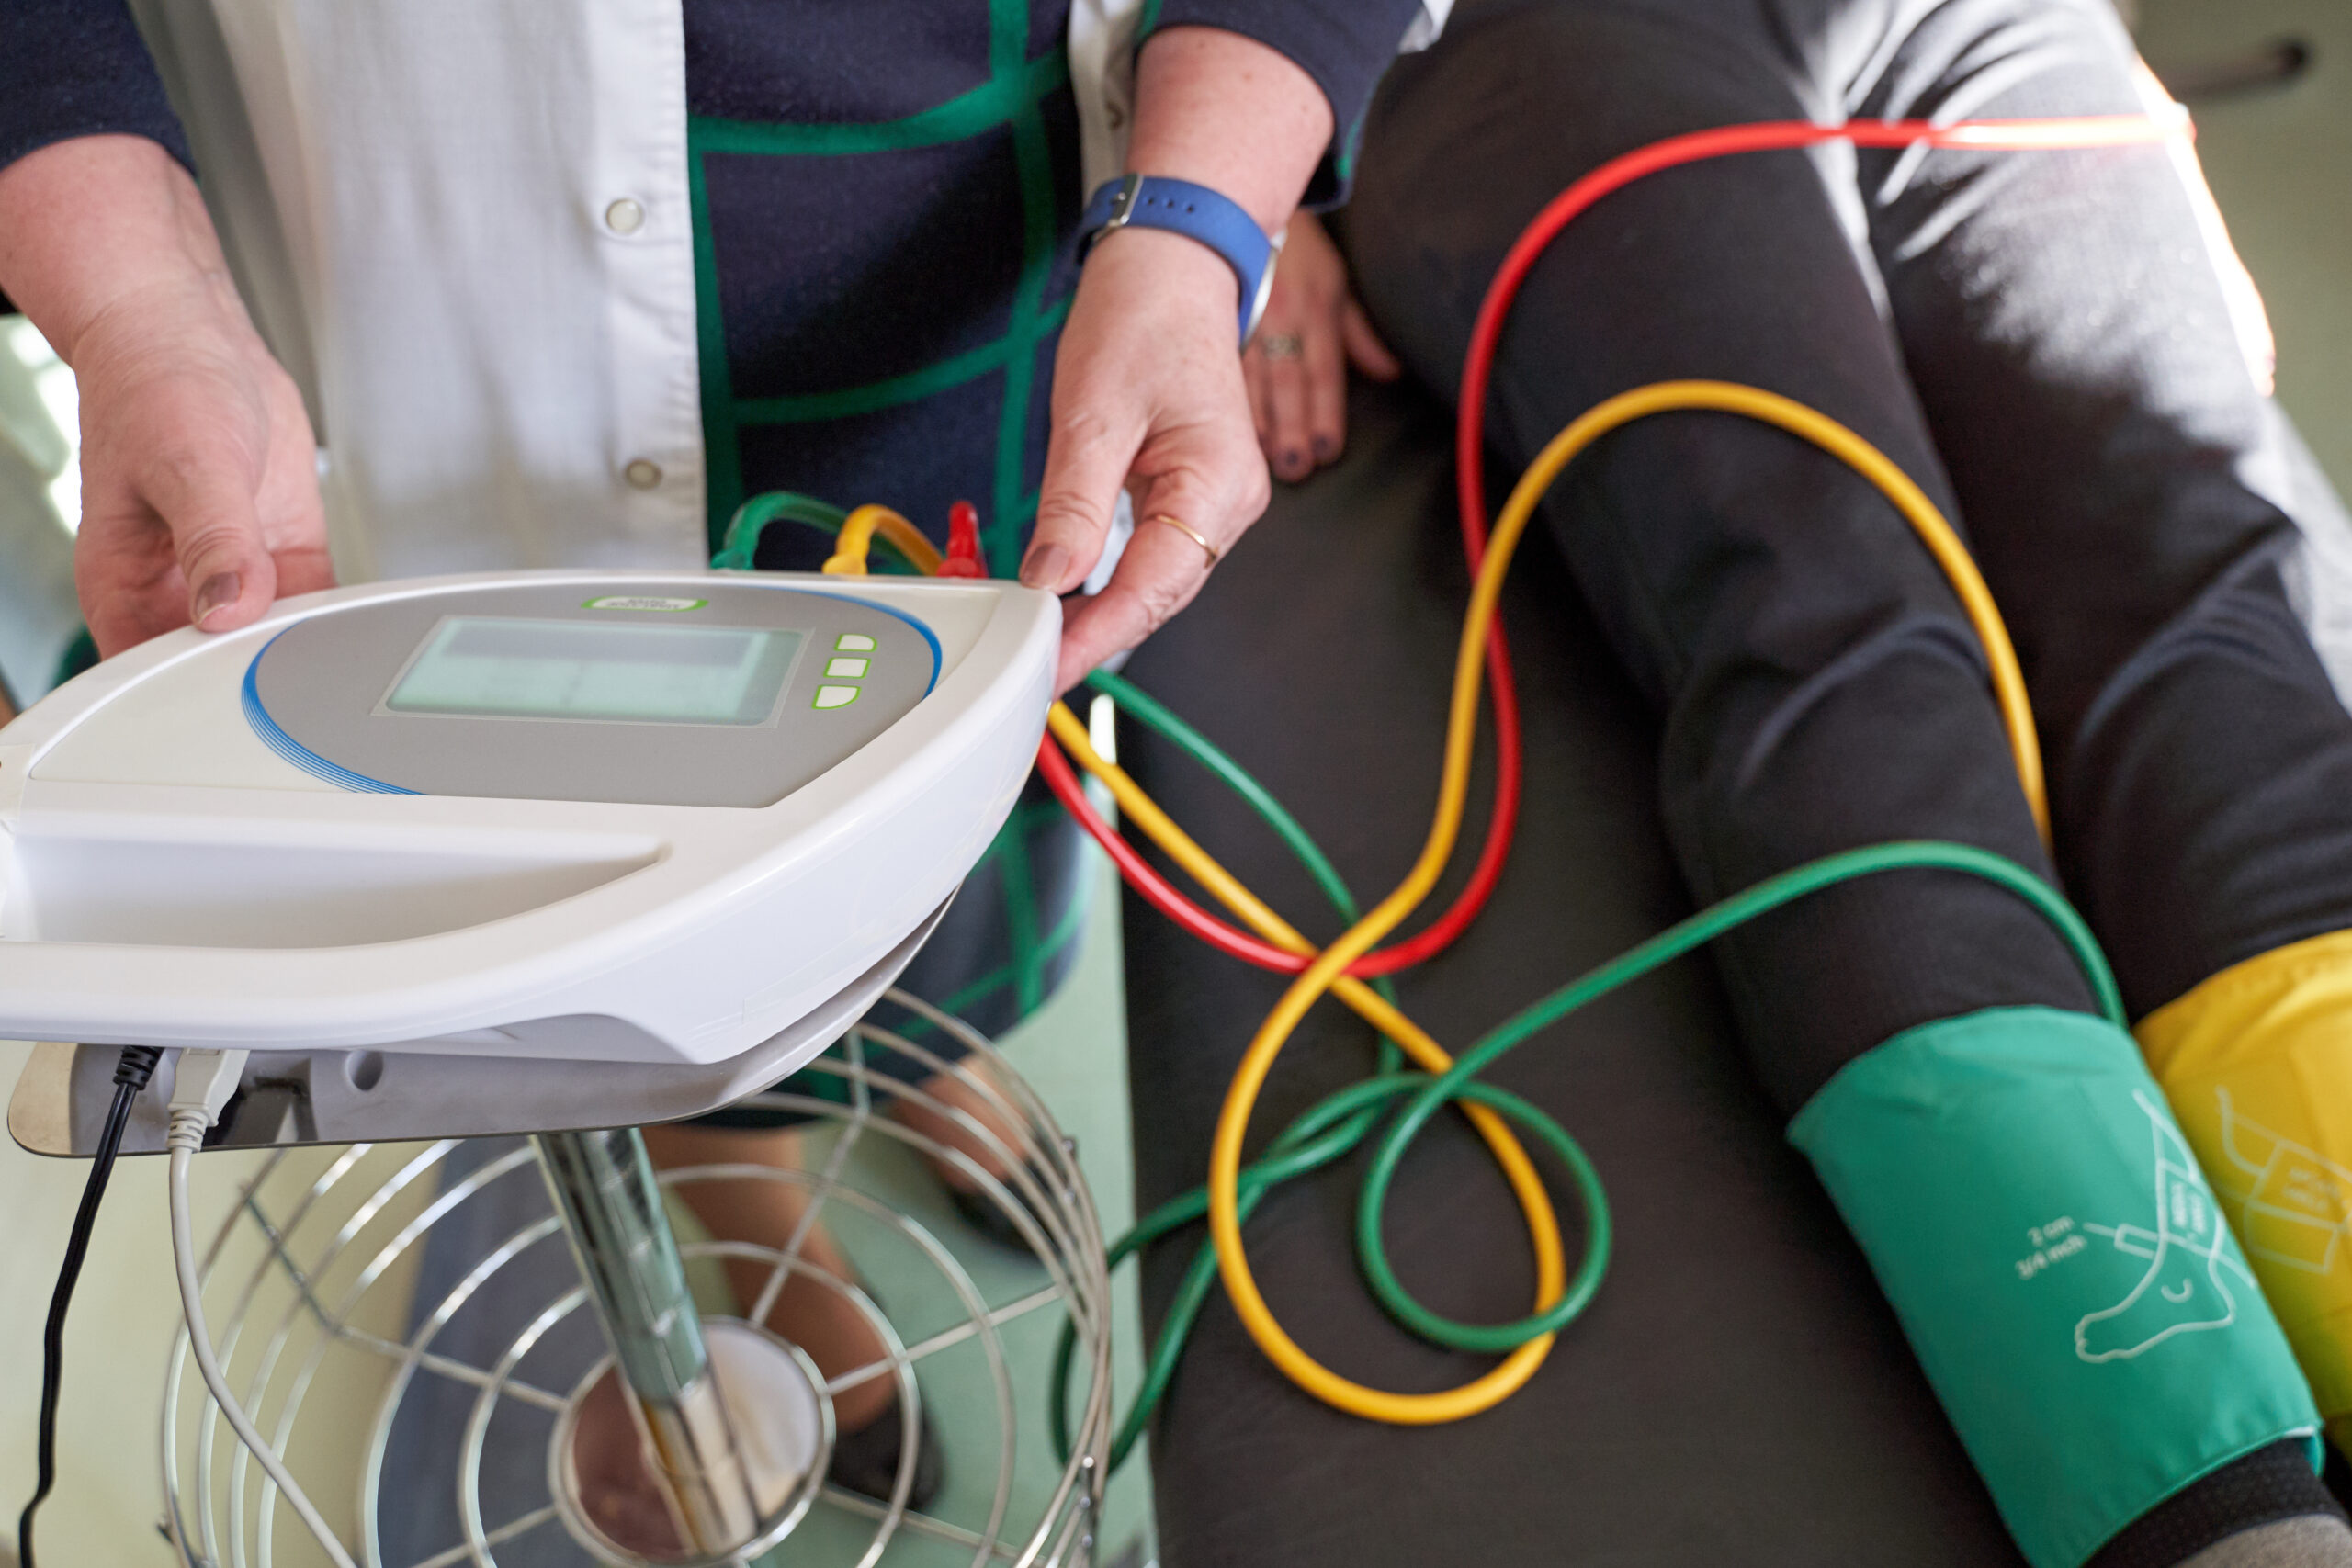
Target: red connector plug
[963,543]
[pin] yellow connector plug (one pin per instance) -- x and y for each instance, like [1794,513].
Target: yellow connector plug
[856,538]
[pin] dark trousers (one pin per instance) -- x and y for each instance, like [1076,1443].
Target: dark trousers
[2043,340]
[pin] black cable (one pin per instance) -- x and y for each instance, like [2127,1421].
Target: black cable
[131,1075]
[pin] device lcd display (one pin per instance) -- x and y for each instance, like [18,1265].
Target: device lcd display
[629,672]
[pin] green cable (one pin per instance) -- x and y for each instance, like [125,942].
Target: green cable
[1664,948]
[1162,721]
[1157,716]
[1339,1123]
[750,521]
[1297,1152]
[1310,1143]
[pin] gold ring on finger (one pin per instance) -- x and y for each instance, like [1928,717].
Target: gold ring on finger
[1191,532]
[1281,345]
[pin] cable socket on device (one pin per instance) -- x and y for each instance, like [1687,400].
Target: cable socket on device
[203,1082]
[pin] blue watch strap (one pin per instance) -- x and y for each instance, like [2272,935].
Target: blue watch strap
[1195,211]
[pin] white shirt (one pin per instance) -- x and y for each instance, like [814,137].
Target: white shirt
[463,225]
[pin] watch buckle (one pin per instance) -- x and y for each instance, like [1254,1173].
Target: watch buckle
[1123,203]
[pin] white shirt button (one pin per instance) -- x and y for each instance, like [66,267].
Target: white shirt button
[642,474]
[624,216]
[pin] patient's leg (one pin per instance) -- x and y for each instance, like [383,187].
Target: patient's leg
[1820,688]
[2082,357]
[2070,335]
[1819,684]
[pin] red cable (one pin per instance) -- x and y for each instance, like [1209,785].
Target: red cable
[1477,365]
[1162,895]
[1500,823]
[2017,135]
[1155,889]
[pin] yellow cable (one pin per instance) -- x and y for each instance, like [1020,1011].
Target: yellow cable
[1526,1182]
[856,538]
[1942,542]
[1327,971]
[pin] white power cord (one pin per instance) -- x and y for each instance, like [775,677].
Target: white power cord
[201,1086]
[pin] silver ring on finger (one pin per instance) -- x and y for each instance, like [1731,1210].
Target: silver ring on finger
[1281,345]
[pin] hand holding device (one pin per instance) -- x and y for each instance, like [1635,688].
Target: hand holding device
[200,482]
[1148,390]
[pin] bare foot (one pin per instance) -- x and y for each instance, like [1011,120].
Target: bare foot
[955,1093]
[809,1313]
[616,1487]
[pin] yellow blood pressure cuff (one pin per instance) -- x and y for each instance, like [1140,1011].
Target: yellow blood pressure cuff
[2059,1266]
[2257,1063]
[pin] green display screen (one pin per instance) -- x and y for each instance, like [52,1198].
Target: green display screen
[630,672]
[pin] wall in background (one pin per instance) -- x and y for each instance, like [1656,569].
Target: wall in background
[2280,165]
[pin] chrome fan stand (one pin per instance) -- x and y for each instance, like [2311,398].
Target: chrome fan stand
[333,1279]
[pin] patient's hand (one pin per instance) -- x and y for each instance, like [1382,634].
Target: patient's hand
[1297,362]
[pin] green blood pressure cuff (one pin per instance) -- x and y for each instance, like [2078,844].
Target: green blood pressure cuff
[2059,1264]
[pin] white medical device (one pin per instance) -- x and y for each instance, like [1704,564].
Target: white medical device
[674,832]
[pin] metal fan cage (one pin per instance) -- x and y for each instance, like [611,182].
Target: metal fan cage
[350,1325]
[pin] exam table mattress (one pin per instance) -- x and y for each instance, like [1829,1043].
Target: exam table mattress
[1738,1393]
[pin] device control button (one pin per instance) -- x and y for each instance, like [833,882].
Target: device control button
[643,473]
[853,642]
[834,697]
[847,669]
[624,216]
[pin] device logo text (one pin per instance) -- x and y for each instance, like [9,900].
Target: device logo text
[642,602]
